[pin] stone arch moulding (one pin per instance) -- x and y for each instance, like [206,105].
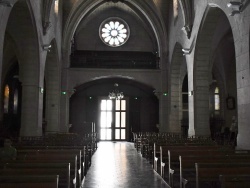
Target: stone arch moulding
[110,77]
[47,4]
[115,1]
[201,71]
[187,15]
[81,9]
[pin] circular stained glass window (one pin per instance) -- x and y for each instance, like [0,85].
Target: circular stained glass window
[114,32]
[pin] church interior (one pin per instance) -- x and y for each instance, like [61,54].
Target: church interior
[149,73]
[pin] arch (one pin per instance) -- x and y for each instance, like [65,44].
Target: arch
[28,57]
[22,17]
[120,79]
[12,100]
[80,10]
[178,71]
[10,76]
[207,40]
[140,98]
[86,35]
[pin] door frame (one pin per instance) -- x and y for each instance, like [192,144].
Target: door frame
[113,120]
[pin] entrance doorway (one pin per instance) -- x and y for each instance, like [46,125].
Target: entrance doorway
[113,119]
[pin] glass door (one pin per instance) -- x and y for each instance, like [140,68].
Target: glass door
[113,119]
[120,119]
[106,120]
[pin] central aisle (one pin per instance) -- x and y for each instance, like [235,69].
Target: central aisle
[118,165]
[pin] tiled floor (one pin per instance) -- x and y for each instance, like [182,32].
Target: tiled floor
[118,165]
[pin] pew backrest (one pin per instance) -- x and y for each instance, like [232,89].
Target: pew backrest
[61,169]
[233,181]
[211,171]
[30,181]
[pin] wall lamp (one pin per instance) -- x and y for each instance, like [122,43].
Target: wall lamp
[186,51]
[46,47]
[6,3]
[190,93]
[41,89]
[235,6]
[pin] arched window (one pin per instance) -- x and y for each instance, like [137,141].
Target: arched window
[216,99]
[56,6]
[175,8]
[15,105]
[114,32]
[6,98]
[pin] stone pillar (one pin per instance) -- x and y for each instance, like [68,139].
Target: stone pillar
[175,105]
[31,117]
[163,105]
[243,88]
[162,95]
[53,95]
[191,131]
[189,60]
[65,98]
[4,15]
[201,101]
[52,110]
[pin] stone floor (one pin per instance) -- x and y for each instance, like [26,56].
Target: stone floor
[119,165]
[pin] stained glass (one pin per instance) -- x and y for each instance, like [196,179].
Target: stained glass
[114,32]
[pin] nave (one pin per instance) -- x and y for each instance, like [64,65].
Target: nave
[118,164]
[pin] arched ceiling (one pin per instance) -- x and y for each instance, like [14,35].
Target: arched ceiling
[144,12]
[141,27]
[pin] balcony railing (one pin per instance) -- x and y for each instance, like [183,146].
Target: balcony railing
[113,59]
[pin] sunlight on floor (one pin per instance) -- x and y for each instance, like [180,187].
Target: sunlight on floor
[117,164]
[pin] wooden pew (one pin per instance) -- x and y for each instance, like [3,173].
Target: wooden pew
[235,181]
[174,162]
[72,159]
[31,181]
[145,141]
[210,172]
[23,154]
[61,169]
[158,153]
[170,155]
[187,164]
[86,153]
[87,144]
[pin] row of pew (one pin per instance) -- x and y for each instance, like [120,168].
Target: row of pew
[63,164]
[197,162]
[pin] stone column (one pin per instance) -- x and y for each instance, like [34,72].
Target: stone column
[163,105]
[52,110]
[32,104]
[175,105]
[53,95]
[190,60]
[4,15]
[201,104]
[243,87]
[163,95]
[31,75]
[65,98]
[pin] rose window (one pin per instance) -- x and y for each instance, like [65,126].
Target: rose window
[114,32]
